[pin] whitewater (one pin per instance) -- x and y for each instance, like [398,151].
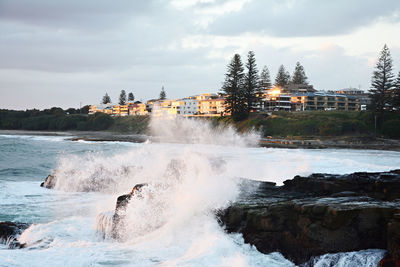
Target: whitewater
[192,170]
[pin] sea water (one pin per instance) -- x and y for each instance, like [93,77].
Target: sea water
[191,172]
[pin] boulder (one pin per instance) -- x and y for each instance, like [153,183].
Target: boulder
[49,182]
[319,214]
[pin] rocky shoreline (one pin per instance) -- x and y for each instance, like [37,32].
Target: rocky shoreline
[319,214]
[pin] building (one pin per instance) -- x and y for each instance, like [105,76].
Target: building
[190,106]
[212,107]
[364,97]
[137,108]
[120,110]
[104,108]
[324,101]
[275,100]
[299,88]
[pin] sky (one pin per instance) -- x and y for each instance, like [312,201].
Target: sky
[70,53]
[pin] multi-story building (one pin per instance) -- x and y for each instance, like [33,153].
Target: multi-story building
[212,107]
[190,106]
[104,108]
[275,100]
[120,110]
[324,101]
[364,97]
[137,109]
[299,88]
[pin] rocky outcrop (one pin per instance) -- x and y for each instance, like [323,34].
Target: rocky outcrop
[9,231]
[49,182]
[112,224]
[319,214]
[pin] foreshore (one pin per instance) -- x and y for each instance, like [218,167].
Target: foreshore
[371,143]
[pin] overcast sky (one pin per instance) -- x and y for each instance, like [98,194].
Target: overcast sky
[63,53]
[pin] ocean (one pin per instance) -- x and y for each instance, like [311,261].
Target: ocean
[175,225]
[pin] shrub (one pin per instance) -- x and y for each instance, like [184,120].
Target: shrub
[391,128]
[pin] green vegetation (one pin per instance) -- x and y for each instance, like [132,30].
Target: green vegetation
[317,123]
[131,124]
[54,119]
[279,124]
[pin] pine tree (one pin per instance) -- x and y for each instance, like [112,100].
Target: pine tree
[122,97]
[382,81]
[396,94]
[233,88]
[131,97]
[163,95]
[265,79]
[282,78]
[106,99]
[299,75]
[251,81]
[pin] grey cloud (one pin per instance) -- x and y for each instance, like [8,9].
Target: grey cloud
[305,17]
[91,14]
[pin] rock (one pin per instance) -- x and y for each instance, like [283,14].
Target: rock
[9,231]
[119,214]
[319,214]
[49,182]
[393,242]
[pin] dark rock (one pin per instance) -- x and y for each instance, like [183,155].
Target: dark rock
[9,231]
[319,214]
[119,214]
[49,182]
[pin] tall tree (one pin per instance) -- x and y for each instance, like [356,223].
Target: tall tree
[382,81]
[251,79]
[131,97]
[163,95]
[106,99]
[233,88]
[282,78]
[396,94]
[122,97]
[299,75]
[265,79]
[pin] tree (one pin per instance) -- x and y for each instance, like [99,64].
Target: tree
[233,88]
[122,97]
[251,81]
[282,78]
[382,81]
[163,95]
[265,79]
[106,99]
[299,75]
[131,97]
[396,94]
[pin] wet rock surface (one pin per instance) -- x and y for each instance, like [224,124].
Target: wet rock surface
[319,214]
[49,182]
[9,231]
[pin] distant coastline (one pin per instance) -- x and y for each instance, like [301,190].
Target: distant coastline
[368,143]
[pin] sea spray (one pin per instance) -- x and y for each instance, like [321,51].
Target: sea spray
[148,163]
[199,131]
